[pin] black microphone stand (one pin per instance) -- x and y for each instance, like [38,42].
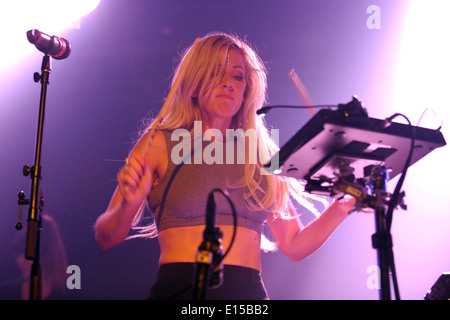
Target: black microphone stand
[370,192]
[34,222]
[381,239]
[209,254]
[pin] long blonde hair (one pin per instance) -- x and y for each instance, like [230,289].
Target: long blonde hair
[183,110]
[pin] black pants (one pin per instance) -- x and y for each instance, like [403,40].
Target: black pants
[175,281]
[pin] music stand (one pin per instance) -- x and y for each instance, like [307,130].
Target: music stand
[344,151]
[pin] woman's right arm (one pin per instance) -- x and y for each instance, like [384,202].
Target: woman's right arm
[134,184]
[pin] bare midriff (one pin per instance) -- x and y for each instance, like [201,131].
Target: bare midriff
[180,244]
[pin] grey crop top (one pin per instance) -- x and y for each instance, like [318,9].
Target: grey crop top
[185,201]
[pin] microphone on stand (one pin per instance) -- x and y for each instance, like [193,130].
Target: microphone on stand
[213,234]
[58,48]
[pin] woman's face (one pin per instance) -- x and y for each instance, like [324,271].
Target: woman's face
[227,96]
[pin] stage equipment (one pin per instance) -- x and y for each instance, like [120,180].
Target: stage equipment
[209,267]
[266,109]
[34,222]
[441,288]
[343,151]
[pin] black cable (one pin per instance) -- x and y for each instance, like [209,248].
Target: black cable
[233,209]
[166,191]
[265,109]
[394,199]
[395,195]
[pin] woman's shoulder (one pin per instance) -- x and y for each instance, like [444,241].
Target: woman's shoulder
[151,142]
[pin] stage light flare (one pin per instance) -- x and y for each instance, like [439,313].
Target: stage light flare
[422,74]
[424,64]
[420,92]
[49,16]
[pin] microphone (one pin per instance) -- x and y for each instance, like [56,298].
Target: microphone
[266,109]
[210,215]
[58,48]
[213,235]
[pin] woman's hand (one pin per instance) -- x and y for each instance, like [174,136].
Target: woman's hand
[297,241]
[345,205]
[134,180]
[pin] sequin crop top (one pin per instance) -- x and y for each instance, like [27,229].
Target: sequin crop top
[185,201]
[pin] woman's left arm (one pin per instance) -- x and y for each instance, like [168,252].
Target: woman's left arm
[296,241]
